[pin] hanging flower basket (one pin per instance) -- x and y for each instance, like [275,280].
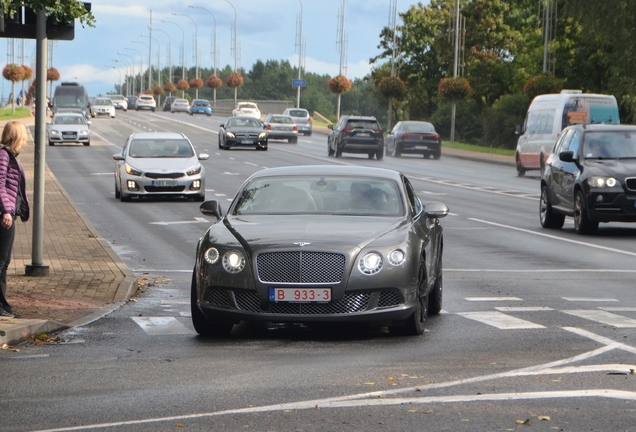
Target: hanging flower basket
[392,87]
[196,83]
[542,84]
[158,90]
[182,85]
[169,87]
[52,74]
[214,82]
[454,88]
[234,80]
[148,91]
[28,73]
[339,84]
[13,72]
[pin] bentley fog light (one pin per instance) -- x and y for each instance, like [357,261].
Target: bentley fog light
[370,263]
[233,261]
[396,257]
[211,255]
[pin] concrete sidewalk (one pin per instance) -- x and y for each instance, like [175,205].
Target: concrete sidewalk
[86,278]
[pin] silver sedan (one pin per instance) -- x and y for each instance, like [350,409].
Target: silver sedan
[159,164]
[68,128]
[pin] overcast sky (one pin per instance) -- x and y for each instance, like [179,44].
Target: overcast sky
[266,31]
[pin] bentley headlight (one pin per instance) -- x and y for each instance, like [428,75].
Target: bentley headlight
[262,134]
[229,135]
[602,182]
[195,170]
[370,263]
[211,255]
[233,261]
[132,171]
[396,257]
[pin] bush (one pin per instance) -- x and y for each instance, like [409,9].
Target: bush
[196,83]
[501,120]
[169,87]
[468,127]
[13,72]
[182,85]
[52,74]
[214,82]
[392,87]
[158,90]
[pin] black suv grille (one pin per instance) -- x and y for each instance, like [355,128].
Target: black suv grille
[631,183]
[300,267]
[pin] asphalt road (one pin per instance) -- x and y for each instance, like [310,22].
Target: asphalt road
[538,326]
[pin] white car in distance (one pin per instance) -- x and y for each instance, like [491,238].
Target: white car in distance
[101,106]
[249,109]
[146,102]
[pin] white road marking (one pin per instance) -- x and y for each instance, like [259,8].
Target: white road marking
[250,163]
[209,190]
[162,326]
[523,308]
[185,123]
[604,317]
[160,271]
[219,195]
[553,237]
[434,193]
[175,302]
[500,321]
[469,186]
[230,173]
[589,299]
[103,138]
[574,270]
[489,299]
[103,174]
[196,220]
[619,309]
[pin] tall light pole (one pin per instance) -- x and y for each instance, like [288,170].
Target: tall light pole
[141,75]
[128,75]
[196,49]
[300,52]
[169,54]
[120,81]
[455,70]
[213,52]
[235,47]
[149,65]
[150,52]
[183,75]
[158,58]
[341,43]
[133,69]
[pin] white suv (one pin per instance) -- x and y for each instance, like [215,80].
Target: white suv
[249,109]
[146,102]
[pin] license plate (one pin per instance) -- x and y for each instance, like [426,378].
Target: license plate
[362,134]
[421,147]
[247,142]
[68,136]
[165,183]
[300,295]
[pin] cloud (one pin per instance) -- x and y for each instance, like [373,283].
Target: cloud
[354,70]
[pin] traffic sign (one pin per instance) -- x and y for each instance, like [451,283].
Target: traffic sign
[299,83]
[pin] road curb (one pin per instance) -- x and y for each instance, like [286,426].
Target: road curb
[19,331]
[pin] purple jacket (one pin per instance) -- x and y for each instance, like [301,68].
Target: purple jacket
[12,179]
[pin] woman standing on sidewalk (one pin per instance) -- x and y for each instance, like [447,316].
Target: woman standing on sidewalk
[13,201]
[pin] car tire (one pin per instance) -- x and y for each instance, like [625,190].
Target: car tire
[338,153]
[201,324]
[209,115]
[582,223]
[87,143]
[379,154]
[520,171]
[396,151]
[330,151]
[117,193]
[137,109]
[436,294]
[309,133]
[437,154]
[415,324]
[548,218]
[51,143]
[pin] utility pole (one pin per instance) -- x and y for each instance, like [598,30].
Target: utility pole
[301,52]
[150,52]
[393,27]
[455,69]
[341,46]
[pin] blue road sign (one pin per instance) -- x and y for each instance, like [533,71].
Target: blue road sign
[299,83]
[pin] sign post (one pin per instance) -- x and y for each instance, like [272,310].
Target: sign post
[299,83]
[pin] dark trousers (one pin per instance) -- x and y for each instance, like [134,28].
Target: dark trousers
[6,247]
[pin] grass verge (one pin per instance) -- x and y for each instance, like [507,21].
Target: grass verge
[20,112]
[477,148]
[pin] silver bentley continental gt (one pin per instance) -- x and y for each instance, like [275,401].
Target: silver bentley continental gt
[317,245]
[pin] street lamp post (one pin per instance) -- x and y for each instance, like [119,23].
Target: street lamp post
[141,75]
[133,69]
[234,47]
[300,52]
[120,81]
[128,75]
[183,75]
[158,58]
[214,55]
[196,48]
[149,65]
[168,53]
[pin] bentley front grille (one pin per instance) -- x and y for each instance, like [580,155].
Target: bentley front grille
[351,303]
[300,267]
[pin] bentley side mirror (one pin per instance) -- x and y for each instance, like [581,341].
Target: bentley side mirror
[435,210]
[212,208]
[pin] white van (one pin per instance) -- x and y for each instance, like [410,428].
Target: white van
[549,114]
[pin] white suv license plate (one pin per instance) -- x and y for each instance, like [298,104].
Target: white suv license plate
[300,295]
[165,183]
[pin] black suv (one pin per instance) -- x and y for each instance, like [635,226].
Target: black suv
[354,134]
[591,176]
[168,103]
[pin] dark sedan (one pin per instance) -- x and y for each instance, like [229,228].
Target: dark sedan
[414,137]
[320,244]
[242,131]
[591,176]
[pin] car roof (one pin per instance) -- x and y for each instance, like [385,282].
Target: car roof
[68,113]
[361,118]
[200,100]
[185,100]
[606,127]
[157,135]
[102,99]
[331,170]
[146,96]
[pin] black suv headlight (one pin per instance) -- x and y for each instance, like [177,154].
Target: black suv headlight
[603,182]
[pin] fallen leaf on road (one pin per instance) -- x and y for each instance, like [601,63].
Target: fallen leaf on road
[10,348]
[546,418]
[390,379]
[179,425]
[523,422]
[369,383]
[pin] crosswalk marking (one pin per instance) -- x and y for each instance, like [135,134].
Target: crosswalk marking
[604,317]
[162,326]
[523,308]
[589,299]
[500,320]
[491,299]
[618,309]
